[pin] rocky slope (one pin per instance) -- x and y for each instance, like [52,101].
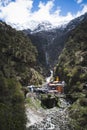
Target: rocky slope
[50,119]
[72,67]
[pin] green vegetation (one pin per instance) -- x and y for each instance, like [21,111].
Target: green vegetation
[17,55]
[43,101]
[18,67]
[32,102]
[72,68]
[78,113]
[12,110]
[72,65]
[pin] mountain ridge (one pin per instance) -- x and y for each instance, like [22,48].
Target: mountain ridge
[53,39]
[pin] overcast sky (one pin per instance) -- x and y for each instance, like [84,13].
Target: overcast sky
[27,13]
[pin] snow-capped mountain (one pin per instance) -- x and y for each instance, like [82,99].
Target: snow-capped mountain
[47,26]
[43,26]
[34,26]
[50,40]
[31,25]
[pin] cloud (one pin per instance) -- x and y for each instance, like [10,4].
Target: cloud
[84,10]
[16,12]
[19,13]
[79,1]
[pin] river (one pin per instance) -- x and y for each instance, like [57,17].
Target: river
[51,119]
[56,118]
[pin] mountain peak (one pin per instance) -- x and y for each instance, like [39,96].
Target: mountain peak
[43,26]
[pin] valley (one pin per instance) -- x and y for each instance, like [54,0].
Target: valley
[44,58]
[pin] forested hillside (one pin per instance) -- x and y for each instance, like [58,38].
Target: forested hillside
[18,57]
[72,67]
[18,67]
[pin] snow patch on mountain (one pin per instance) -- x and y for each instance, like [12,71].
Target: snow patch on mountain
[34,27]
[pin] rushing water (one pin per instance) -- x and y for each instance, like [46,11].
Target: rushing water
[50,77]
[53,119]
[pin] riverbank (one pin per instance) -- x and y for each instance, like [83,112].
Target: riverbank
[49,119]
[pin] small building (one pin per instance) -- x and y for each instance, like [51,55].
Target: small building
[56,85]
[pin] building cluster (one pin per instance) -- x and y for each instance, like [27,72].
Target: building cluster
[52,87]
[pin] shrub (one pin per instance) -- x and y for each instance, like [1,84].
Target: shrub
[12,110]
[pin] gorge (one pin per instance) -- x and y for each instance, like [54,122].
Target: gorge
[26,58]
[66,47]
